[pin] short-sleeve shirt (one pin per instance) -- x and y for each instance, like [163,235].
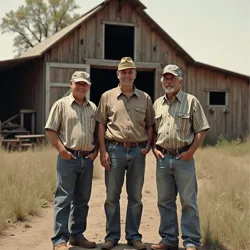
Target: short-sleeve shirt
[74,123]
[126,118]
[176,123]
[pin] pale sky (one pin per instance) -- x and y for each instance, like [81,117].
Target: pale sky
[215,32]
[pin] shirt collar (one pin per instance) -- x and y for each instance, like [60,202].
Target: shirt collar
[179,96]
[119,91]
[72,100]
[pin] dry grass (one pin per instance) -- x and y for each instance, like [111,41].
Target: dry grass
[224,174]
[27,182]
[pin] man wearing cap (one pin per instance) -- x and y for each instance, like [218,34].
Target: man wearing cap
[71,129]
[180,127]
[125,116]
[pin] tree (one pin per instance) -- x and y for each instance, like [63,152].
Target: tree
[36,20]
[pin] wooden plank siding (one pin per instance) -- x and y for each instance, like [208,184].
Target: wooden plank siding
[87,40]
[232,124]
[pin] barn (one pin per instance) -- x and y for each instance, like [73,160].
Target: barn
[95,43]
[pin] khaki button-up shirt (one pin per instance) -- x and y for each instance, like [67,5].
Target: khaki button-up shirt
[126,118]
[74,123]
[176,123]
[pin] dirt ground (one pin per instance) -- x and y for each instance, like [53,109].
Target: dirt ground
[35,233]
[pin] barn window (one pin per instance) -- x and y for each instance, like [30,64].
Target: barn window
[118,41]
[217,98]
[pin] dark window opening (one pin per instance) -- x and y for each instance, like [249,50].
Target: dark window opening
[119,41]
[217,98]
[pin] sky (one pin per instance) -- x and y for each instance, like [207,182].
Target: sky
[214,32]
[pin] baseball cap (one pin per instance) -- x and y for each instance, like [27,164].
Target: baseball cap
[126,63]
[172,69]
[81,76]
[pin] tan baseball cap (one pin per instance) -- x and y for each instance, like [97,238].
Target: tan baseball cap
[81,76]
[172,69]
[126,63]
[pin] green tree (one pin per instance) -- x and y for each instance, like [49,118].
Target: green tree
[36,20]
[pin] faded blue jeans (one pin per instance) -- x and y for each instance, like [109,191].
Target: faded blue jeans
[132,162]
[73,189]
[173,177]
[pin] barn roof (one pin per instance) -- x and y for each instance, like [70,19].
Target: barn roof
[138,7]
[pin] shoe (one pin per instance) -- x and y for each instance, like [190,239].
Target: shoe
[137,244]
[109,244]
[60,246]
[82,242]
[162,246]
[191,248]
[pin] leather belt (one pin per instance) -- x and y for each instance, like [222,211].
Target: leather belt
[128,144]
[79,152]
[173,152]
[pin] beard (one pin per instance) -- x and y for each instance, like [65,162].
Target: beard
[169,89]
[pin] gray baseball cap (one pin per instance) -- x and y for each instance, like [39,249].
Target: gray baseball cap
[172,69]
[81,76]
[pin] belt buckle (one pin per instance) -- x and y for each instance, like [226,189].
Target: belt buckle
[171,152]
[125,144]
[79,153]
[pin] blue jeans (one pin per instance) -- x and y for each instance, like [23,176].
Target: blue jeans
[73,189]
[131,161]
[173,177]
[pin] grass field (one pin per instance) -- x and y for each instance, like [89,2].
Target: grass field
[27,183]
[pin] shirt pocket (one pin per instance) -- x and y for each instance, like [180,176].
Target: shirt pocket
[182,121]
[140,115]
[158,118]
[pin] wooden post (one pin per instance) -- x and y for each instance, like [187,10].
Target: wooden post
[33,123]
[22,119]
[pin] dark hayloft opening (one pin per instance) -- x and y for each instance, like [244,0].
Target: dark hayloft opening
[119,41]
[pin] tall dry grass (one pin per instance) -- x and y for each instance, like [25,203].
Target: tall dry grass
[27,182]
[224,195]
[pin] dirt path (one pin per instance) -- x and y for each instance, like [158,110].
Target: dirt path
[35,233]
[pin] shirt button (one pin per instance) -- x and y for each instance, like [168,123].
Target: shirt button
[167,133]
[168,115]
[168,124]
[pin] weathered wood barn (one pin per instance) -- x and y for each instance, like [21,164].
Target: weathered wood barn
[95,43]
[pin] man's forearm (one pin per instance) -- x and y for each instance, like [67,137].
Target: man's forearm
[96,141]
[101,137]
[54,139]
[149,132]
[198,139]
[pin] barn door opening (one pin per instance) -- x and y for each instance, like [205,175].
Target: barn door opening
[119,41]
[105,79]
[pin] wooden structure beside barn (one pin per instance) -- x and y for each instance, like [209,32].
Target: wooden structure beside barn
[95,43]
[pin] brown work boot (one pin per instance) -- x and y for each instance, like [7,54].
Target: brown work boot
[60,246]
[162,246]
[109,244]
[137,244]
[82,242]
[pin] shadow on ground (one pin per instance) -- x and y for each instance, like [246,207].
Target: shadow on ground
[126,247]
